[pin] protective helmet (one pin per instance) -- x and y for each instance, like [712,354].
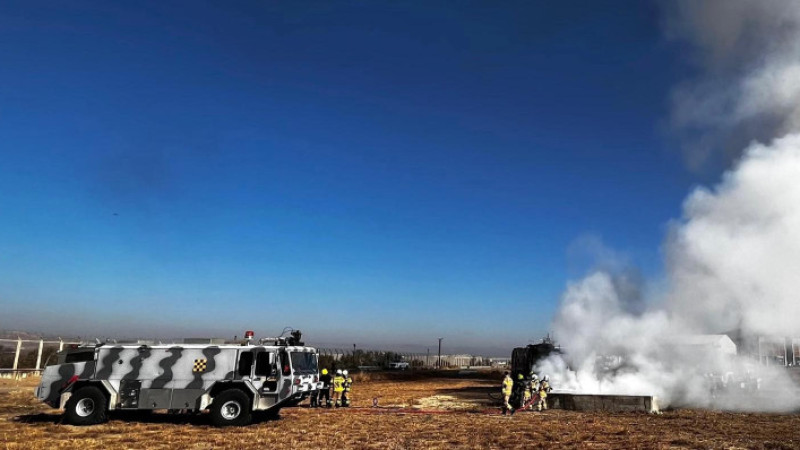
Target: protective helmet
[324,371]
[520,377]
[534,376]
[546,378]
[344,372]
[338,371]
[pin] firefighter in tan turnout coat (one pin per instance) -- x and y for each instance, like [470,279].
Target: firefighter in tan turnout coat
[544,388]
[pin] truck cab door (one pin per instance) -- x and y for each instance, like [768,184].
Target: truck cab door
[255,366]
[285,375]
[267,377]
[264,371]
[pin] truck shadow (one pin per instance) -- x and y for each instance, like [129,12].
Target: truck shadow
[140,417]
[38,418]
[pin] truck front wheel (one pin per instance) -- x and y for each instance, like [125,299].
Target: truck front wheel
[86,406]
[231,408]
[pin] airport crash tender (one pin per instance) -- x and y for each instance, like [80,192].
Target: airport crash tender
[230,380]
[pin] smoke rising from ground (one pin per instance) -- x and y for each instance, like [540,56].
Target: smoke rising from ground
[732,264]
[732,259]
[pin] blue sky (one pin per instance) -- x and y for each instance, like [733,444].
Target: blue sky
[369,172]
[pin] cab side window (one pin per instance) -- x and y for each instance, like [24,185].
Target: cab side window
[80,356]
[263,366]
[245,364]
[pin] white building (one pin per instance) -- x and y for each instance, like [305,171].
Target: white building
[715,343]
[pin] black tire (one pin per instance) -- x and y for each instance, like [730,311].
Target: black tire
[86,406]
[231,408]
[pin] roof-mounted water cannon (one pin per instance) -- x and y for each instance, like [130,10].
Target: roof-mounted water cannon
[294,338]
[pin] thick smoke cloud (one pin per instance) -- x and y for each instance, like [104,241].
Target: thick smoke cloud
[732,259]
[747,58]
[732,264]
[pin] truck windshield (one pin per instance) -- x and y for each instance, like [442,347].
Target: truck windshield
[304,362]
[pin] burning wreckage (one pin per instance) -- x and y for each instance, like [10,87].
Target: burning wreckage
[526,360]
[717,376]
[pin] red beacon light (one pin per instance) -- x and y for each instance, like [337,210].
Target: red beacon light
[249,335]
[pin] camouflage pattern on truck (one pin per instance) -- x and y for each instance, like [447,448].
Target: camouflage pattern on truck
[180,377]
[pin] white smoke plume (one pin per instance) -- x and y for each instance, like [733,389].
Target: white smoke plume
[732,264]
[733,259]
[747,87]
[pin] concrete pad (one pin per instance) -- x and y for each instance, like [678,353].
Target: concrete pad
[610,403]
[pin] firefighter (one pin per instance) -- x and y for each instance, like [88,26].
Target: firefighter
[506,391]
[348,385]
[527,398]
[338,388]
[517,393]
[325,390]
[544,388]
[533,388]
[534,382]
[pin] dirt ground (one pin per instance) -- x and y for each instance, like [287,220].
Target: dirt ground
[413,412]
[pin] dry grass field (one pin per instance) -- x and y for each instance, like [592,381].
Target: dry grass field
[413,413]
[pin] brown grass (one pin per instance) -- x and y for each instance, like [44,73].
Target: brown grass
[24,423]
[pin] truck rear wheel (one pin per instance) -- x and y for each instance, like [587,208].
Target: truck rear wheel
[231,408]
[86,406]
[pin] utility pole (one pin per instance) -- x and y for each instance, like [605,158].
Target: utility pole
[439,364]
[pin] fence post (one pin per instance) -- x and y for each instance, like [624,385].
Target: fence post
[16,354]
[39,354]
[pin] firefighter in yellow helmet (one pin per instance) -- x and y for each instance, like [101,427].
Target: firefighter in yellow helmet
[338,388]
[508,384]
[544,388]
[517,393]
[347,385]
[325,389]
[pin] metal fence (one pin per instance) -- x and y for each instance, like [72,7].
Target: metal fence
[425,360]
[338,353]
[23,357]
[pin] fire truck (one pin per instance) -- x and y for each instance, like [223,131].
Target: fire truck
[230,380]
